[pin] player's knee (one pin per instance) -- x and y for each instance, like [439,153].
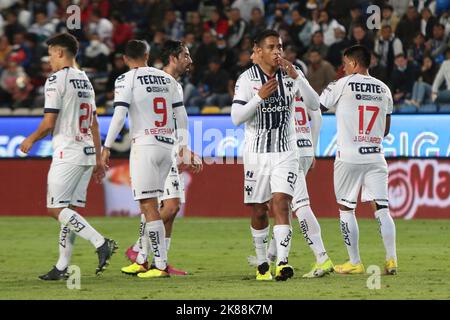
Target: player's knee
[172,210]
[260,212]
[54,212]
[281,203]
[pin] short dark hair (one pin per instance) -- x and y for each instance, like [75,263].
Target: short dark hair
[136,49]
[171,48]
[66,41]
[265,34]
[359,53]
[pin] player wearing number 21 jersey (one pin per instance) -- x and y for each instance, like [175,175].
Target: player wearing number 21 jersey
[363,107]
[69,113]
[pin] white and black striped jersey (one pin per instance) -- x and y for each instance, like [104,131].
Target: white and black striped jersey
[271,129]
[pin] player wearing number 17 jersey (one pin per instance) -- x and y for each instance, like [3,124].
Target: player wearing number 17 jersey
[150,97]
[363,108]
[69,114]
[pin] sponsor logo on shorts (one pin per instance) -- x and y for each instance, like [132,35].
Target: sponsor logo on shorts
[249,190]
[151,191]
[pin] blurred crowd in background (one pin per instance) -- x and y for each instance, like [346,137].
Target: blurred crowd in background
[410,51]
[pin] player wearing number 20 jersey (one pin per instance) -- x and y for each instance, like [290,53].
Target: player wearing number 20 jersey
[363,107]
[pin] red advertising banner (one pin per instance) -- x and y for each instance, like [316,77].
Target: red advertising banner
[417,189]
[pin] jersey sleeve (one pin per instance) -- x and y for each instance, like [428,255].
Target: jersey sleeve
[177,95]
[54,87]
[390,101]
[330,95]
[242,90]
[123,90]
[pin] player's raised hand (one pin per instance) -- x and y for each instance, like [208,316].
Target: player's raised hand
[288,68]
[26,145]
[105,157]
[268,88]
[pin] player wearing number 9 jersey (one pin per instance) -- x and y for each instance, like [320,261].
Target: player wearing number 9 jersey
[69,114]
[363,107]
[150,97]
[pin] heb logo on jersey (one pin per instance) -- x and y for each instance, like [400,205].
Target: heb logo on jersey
[156,131]
[417,183]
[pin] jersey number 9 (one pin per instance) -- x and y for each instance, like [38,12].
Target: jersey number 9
[160,107]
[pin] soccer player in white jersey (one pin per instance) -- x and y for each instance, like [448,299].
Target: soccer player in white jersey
[263,100]
[363,110]
[177,60]
[307,137]
[151,97]
[69,114]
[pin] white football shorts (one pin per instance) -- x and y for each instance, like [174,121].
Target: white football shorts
[174,185]
[67,184]
[349,178]
[267,173]
[149,168]
[305,164]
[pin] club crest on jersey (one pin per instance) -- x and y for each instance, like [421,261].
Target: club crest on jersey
[52,78]
[120,78]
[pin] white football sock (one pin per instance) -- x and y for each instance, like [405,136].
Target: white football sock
[138,245]
[283,236]
[144,250]
[66,242]
[81,227]
[310,228]
[156,233]
[168,240]
[272,251]
[387,230]
[260,243]
[350,232]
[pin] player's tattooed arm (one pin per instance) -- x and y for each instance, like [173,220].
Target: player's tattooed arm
[45,127]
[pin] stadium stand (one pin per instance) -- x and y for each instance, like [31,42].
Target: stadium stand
[409,48]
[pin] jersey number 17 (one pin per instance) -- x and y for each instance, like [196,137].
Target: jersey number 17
[364,110]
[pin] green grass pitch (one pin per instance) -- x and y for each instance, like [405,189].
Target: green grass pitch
[214,251]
